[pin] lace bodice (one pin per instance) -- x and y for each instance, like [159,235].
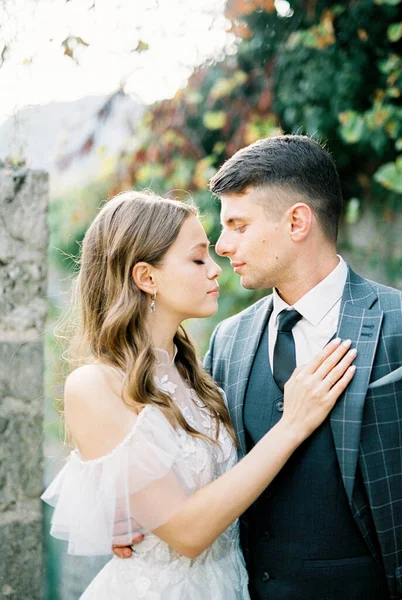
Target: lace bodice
[138,486]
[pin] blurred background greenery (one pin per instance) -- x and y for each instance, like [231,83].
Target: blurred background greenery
[332,70]
[329,70]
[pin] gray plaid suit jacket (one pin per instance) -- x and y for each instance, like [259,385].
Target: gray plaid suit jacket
[366,422]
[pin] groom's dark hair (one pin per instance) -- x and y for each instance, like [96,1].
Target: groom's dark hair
[295,164]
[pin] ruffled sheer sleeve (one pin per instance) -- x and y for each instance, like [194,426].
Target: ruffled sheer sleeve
[137,487]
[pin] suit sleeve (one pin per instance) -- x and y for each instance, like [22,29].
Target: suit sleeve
[209,357]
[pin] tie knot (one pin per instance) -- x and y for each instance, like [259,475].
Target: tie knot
[287,319]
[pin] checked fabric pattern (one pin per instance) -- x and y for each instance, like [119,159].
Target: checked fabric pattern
[367,420]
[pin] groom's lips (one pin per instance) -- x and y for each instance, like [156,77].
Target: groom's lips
[237,266]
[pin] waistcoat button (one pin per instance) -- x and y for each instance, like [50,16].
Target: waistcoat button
[266,576]
[266,536]
[279,406]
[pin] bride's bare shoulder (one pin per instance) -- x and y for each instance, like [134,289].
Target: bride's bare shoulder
[93,376]
[94,410]
[93,384]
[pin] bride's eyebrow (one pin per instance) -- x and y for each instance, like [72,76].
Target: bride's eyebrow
[200,245]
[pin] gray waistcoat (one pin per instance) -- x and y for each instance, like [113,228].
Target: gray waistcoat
[302,542]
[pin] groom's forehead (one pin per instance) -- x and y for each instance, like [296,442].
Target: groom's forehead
[249,202]
[240,206]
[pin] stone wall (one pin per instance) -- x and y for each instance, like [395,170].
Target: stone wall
[23,308]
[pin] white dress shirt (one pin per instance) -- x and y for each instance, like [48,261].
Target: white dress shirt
[320,313]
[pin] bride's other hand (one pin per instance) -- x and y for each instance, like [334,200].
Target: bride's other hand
[313,389]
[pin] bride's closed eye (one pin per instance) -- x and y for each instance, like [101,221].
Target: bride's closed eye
[199,262]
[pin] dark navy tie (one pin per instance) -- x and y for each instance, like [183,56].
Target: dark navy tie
[284,350]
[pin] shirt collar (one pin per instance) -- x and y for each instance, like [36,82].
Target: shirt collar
[314,305]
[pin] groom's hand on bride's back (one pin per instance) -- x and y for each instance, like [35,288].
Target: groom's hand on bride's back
[126,551]
[123,541]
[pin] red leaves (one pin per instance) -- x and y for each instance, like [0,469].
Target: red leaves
[239,8]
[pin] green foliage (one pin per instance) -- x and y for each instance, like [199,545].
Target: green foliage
[330,70]
[390,175]
[337,77]
[389,2]
[394,32]
[69,217]
[215,120]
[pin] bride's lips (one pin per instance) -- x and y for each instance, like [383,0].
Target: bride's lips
[237,266]
[214,292]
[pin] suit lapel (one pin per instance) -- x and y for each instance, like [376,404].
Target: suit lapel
[360,320]
[247,338]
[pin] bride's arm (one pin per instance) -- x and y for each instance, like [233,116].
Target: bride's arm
[95,420]
[308,399]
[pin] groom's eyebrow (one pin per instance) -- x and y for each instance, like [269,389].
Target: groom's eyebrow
[232,220]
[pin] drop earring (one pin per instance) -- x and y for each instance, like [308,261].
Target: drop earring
[153,305]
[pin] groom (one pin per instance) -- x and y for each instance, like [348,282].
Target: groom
[329,527]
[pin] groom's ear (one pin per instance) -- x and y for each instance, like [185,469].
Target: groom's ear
[300,219]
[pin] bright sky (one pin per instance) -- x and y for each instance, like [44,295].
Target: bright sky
[180,34]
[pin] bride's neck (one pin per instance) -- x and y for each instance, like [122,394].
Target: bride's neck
[163,332]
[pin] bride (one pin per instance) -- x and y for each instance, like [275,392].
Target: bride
[155,451]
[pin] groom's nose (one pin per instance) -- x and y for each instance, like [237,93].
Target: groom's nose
[223,246]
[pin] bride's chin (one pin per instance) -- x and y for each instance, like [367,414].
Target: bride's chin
[209,312]
[213,311]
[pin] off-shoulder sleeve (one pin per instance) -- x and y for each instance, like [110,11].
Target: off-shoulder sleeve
[137,487]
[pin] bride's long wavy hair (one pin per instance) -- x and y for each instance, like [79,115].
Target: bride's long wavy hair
[111,311]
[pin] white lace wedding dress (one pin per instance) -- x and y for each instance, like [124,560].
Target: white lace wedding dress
[139,486]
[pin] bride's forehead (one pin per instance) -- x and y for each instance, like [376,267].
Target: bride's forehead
[192,233]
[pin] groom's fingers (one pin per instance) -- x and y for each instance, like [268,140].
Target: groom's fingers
[122,551]
[124,524]
[126,540]
[137,539]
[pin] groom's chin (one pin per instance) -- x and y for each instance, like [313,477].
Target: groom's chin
[250,285]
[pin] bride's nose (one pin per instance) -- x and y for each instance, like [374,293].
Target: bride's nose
[214,270]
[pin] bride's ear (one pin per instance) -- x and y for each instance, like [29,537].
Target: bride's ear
[143,277]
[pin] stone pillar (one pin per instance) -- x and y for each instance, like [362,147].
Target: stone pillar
[23,307]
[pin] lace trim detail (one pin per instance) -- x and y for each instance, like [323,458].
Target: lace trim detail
[165,385]
[162,357]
